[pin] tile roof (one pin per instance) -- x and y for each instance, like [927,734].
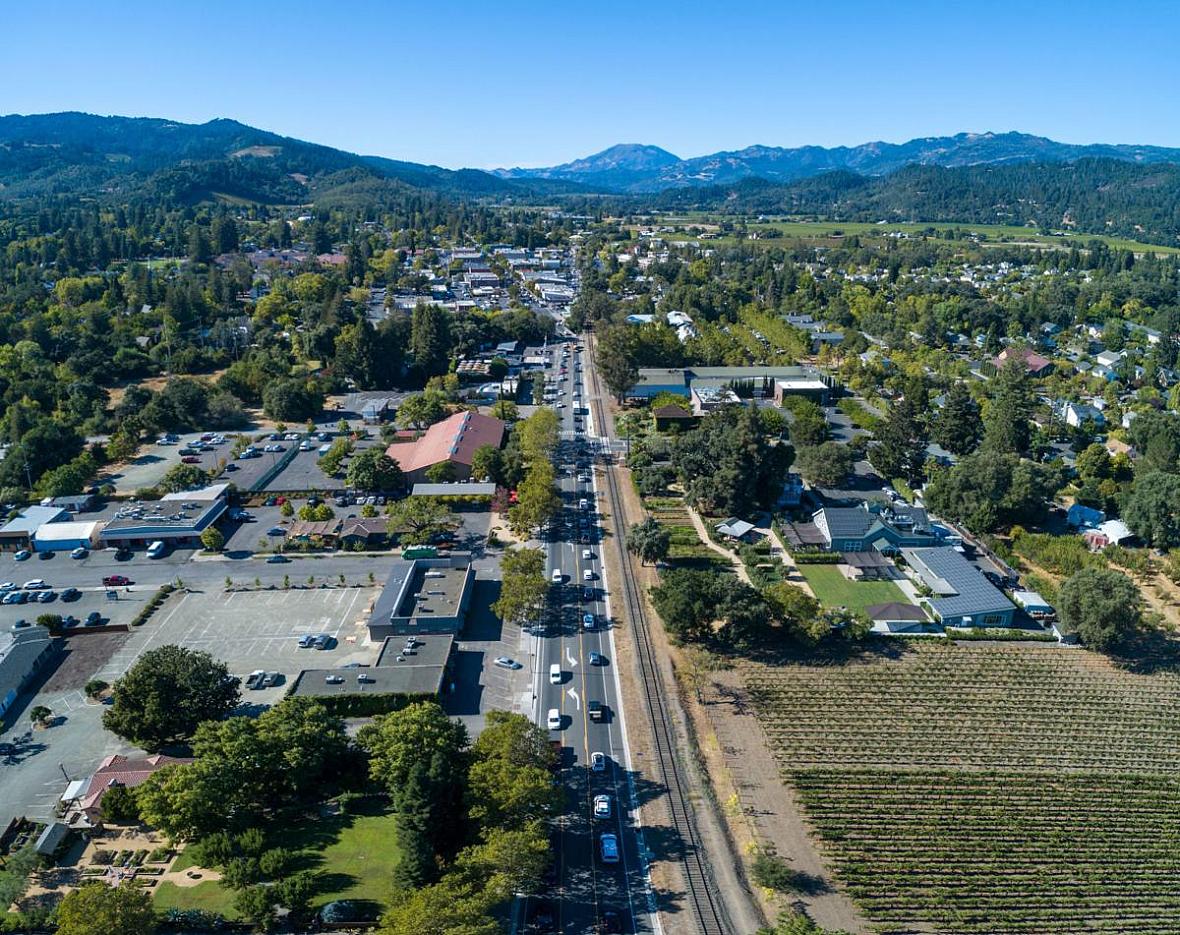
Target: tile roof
[453,439]
[119,770]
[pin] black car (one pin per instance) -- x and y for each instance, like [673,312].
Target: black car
[587,594]
[93,619]
[70,594]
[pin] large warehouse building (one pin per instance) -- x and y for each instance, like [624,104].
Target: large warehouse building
[176,519]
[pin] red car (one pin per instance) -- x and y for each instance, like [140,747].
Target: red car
[113,581]
[191,459]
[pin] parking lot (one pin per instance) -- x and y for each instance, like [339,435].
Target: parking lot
[303,473]
[251,630]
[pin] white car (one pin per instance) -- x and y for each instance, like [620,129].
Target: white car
[586,555]
[555,675]
[557,577]
[8,586]
[34,584]
[79,553]
[597,762]
[587,574]
[602,806]
[553,720]
[505,663]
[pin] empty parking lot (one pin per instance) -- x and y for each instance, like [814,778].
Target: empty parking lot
[251,630]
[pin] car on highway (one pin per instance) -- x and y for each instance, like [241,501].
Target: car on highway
[79,552]
[597,711]
[587,574]
[553,719]
[505,663]
[277,560]
[602,806]
[587,621]
[557,577]
[35,584]
[555,675]
[596,658]
[608,847]
[116,581]
[23,555]
[587,555]
[598,762]
[587,594]
[611,923]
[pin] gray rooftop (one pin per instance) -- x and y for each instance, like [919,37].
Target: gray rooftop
[19,652]
[396,672]
[959,587]
[454,490]
[847,522]
[33,517]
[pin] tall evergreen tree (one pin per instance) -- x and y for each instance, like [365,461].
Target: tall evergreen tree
[429,341]
[957,427]
[1005,426]
[899,448]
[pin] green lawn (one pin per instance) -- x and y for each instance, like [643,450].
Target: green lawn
[354,855]
[834,590]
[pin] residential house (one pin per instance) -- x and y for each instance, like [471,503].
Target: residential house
[1080,516]
[861,528]
[1034,363]
[671,417]
[1110,532]
[116,770]
[363,533]
[897,617]
[736,529]
[1076,415]
[960,595]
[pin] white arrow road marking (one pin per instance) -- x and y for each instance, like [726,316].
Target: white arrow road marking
[573,693]
[569,657]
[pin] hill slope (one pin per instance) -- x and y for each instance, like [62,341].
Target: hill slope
[75,153]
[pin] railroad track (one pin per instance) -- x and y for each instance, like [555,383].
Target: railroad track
[706,910]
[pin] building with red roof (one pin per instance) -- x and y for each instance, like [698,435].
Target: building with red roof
[453,440]
[1034,363]
[115,770]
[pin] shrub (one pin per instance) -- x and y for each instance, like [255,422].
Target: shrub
[96,687]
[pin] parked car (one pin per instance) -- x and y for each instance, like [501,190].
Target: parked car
[271,678]
[23,555]
[322,641]
[45,597]
[93,619]
[254,679]
[79,552]
[14,597]
[70,594]
[505,663]
[116,581]
[7,586]
[333,679]
[277,560]
[190,459]
[306,641]
[34,584]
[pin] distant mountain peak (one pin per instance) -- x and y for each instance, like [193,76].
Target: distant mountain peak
[634,167]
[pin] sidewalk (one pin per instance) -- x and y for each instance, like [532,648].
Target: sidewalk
[792,574]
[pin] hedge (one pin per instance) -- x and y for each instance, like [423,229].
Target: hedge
[152,606]
[816,558]
[1000,633]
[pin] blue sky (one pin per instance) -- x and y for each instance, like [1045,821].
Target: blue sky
[521,83]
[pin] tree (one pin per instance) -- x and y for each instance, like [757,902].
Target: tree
[1093,464]
[649,540]
[166,694]
[398,740]
[212,539]
[15,873]
[728,465]
[809,426]
[1151,508]
[613,358]
[441,472]
[417,520]
[40,715]
[487,463]
[1155,436]
[796,923]
[257,904]
[422,410]
[429,340]
[1005,423]
[537,499]
[523,587]
[450,907]
[99,909]
[291,400]
[373,469]
[826,465]
[798,612]
[956,427]
[506,410]
[1101,605]
[687,600]
[989,489]
[509,859]
[538,435]
[119,806]
[183,477]
[899,442]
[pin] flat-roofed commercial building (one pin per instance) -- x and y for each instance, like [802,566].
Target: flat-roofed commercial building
[425,595]
[176,519]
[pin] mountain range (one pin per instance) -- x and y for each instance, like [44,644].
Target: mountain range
[638,168]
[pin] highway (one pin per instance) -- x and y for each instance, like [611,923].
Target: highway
[589,891]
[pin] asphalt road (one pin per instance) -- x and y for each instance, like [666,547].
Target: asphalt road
[587,886]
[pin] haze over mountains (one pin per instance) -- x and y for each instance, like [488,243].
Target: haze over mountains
[634,167]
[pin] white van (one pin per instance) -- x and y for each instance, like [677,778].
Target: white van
[156,549]
[557,577]
[555,674]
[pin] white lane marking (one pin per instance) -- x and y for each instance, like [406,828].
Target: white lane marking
[569,657]
[573,693]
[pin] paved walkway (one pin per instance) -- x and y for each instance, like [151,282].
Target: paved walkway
[792,574]
[738,565]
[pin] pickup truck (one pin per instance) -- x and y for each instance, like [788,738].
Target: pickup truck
[597,710]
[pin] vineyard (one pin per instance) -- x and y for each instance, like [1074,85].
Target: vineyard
[986,787]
